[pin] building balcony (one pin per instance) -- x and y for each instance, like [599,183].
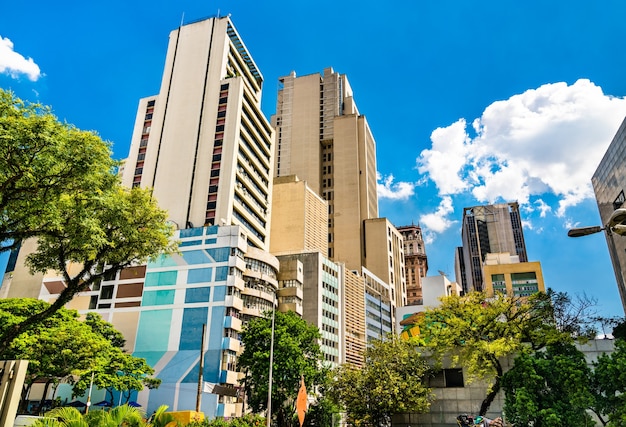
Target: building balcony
[233,301]
[229,377]
[232,323]
[232,344]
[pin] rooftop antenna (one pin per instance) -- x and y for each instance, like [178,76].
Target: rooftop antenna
[182,19]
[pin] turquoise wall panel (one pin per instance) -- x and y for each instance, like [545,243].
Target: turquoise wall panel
[153,331]
[163,278]
[158,297]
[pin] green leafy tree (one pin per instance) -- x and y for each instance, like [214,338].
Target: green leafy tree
[549,388]
[477,332]
[63,348]
[116,370]
[57,349]
[58,186]
[296,354]
[390,382]
[609,384]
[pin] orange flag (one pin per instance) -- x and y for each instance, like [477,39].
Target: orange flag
[301,402]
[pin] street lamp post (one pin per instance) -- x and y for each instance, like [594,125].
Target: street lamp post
[616,225]
[269,392]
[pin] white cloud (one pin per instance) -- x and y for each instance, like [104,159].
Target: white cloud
[547,140]
[14,64]
[387,189]
[438,221]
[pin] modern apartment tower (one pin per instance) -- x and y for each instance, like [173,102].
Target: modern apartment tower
[322,138]
[415,262]
[202,143]
[204,147]
[609,185]
[488,229]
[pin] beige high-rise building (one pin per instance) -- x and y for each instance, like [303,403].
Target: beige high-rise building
[322,138]
[299,218]
[386,261]
[203,143]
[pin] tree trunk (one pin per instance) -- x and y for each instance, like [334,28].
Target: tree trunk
[42,402]
[484,406]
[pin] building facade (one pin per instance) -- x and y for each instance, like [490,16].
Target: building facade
[202,143]
[488,229]
[415,262]
[504,273]
[609,184]
[322,138]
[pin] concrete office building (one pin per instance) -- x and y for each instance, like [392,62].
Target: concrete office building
[609,184]
[415,262]
[203,143]
[487,229]
[505,273]
[322,297]
[324,140]
[299,218]
[386,261]
[206,149]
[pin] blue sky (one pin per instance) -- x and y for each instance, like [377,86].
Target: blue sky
[469,102]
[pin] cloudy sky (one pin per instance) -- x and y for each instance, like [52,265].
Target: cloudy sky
[469,102]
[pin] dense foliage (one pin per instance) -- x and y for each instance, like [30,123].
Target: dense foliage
[609,384]
[296,354]
[63,348]
[549,388]
[58,185]
[391,381]
[476,332]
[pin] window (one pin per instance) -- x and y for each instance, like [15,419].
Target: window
[447,378]
[106,292]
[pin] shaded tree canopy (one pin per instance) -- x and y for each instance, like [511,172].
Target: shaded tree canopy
[476,331]
[58,185]
[297,354]
[391,381]
[549,388]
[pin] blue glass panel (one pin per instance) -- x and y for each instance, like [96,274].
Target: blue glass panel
[219,254]
[199,275]
[190,243]
[221,273]
[191,331]
[210,241]
[198,295]
[158,297]
[216,327]
[211,230]
[164,278]
[196,257]
[219,293]
[153,331]
[162,261]
[191,232]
